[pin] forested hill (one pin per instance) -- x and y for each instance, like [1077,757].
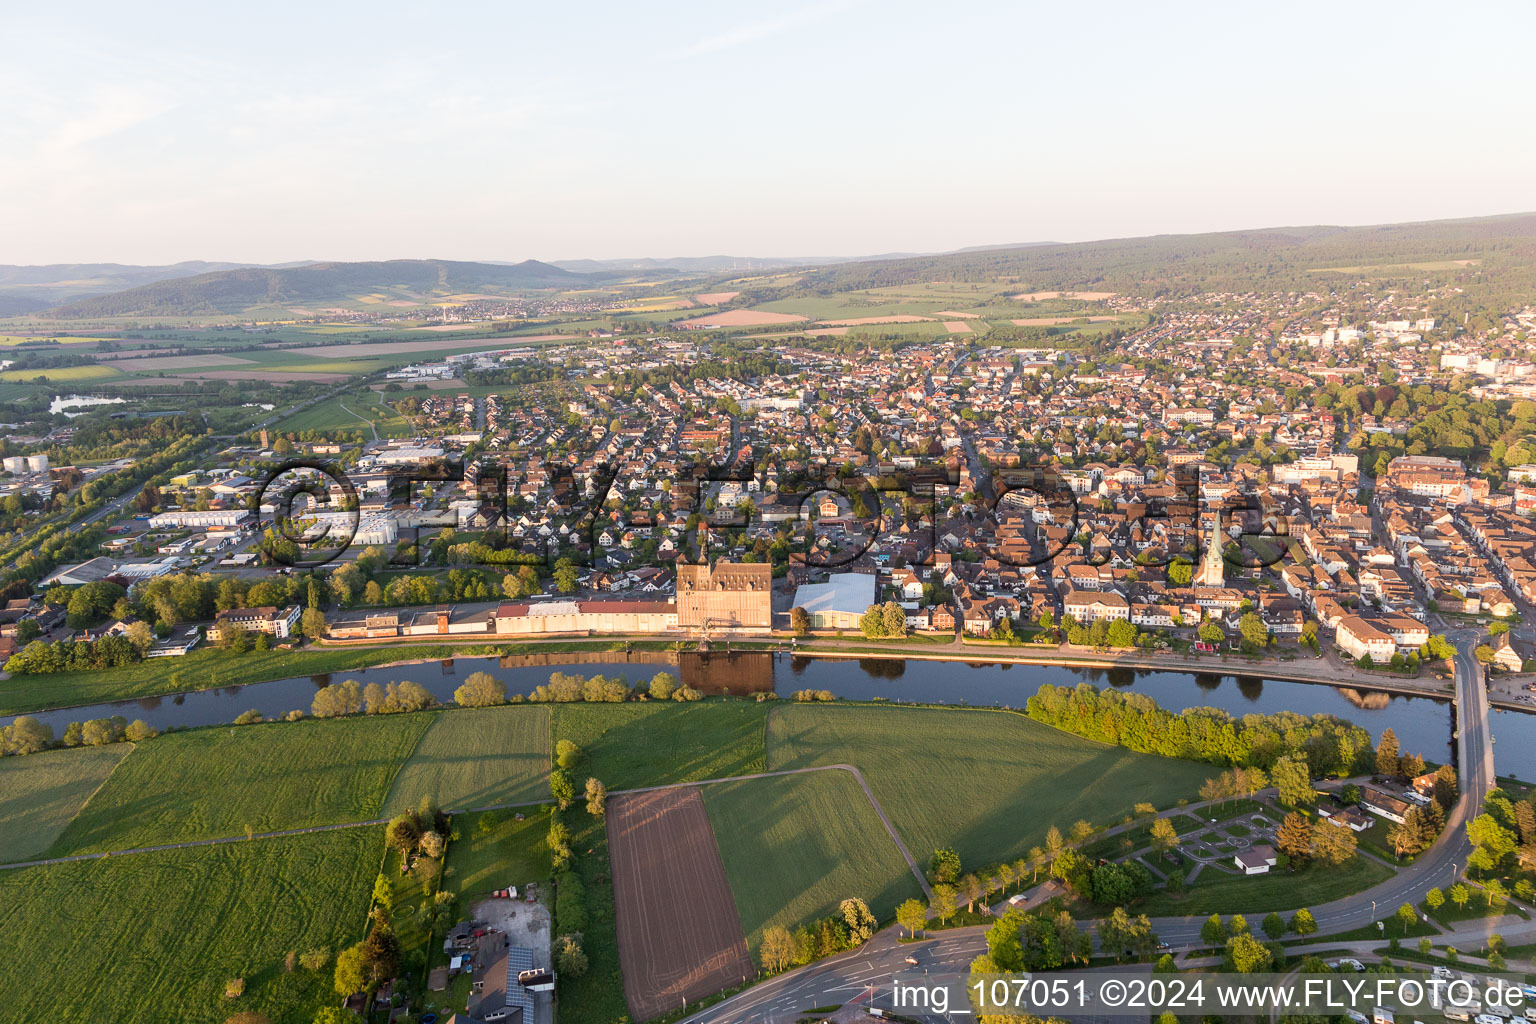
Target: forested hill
[232,291]
[1486,253]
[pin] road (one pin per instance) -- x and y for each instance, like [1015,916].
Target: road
[860,975]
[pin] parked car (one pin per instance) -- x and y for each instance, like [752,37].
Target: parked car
[911,960]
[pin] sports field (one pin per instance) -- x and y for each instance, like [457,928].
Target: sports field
[630,745]
[478,756]
[40,793]
[155,937]
[988,783]
[796,845]
[213,783]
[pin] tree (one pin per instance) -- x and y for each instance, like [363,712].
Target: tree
[942,903]
[570,960]
[1213,932]
[566,753]
[351,970]
[403,833]
[597,798]
[1164,837]
[872,622]
[861,923]
[1332,844]
[562,788]
[778,949]
[1492,843]
[1292,777]
[1387,754]
[944,865]
[799,620]
[336,1015]
[1054,842]
[972,890]
[1434,899]
[1294,837]
[139,730]
[895,619]
[1460,894]
[312,623]
[1210,632]
[565,576]
[1005,948]
[1303,923]
[1273,925]
[911,916]
[662,686]
[1121,633]
[1407,916]
[1246,955]
[480,690]
[1253,629]
[381,951]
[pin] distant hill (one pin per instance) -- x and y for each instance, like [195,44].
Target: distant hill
[694,264]
[1495,256]
[233,291]
[27,289]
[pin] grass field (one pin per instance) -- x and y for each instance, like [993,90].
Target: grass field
[495,850]
[351,411]
[1214,892]
[988,783]
[211,783]
[795,846]
[630,745]
[478,756]
[154,937]
[40,793]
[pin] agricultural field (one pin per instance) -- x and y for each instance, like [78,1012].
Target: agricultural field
[679,936]
[214,783]
[40,793]
[476,757]
[154,937]
[90,373]
[990,784]
[353,411]
[796,845]
[630,745]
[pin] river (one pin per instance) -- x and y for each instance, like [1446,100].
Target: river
[1422,724]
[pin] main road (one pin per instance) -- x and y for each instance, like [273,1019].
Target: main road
[865,975]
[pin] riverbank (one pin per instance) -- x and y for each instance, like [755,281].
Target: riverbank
[212,669]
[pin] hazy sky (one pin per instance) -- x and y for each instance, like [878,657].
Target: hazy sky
[323,130]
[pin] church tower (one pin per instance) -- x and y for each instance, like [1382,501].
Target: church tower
[1212,572]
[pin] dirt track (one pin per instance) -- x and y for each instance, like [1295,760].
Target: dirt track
[679,936]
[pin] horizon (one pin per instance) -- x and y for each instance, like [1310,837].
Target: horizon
[840,257]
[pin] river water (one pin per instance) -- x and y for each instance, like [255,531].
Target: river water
[1422,724]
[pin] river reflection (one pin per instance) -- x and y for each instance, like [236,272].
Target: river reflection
[1422,724]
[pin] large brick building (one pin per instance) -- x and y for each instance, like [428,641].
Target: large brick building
[727,595]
